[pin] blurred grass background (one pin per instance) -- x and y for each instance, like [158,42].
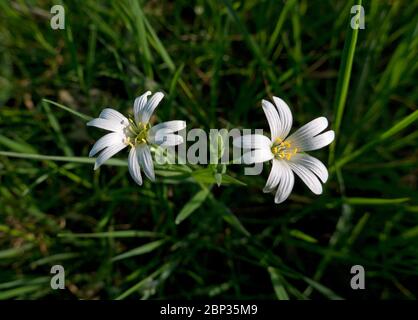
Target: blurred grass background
[215,61]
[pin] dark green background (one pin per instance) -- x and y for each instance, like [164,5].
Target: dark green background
[215,61]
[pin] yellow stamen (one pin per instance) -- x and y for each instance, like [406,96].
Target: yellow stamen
[283,149]
[138,131]
[128,142]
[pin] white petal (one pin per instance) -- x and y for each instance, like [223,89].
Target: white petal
[312,164]
[287,180]
[307,177]
[173,126]
[173,140]
[309,130]
[257,156]
[272,118]
[317,142]
[252,141]
[110,125]
[133,166]
[139,104]
[158,136]
[106,141]
[107,153]
[322,140]
[149,108]
[166,139]
[145,161]
[274,177]
[111,114]
[285,116]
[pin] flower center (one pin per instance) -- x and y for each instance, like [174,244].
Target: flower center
[283,149]
[137,133]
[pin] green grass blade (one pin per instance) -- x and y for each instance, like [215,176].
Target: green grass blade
[146,248]
[164,269]
[279,25]
[302,236]
[86,160]
[251,42]
[14,252]
[74,112]
[141,33]
[158,46]
[112,234]
[18,146]
[192,205]
[374,201]
[278,284]
[322,289]
[404,123]
[344,81]
[62,141]
[17,292]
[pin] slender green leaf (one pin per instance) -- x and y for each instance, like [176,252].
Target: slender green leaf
[146,248]
[74,112]
[344,79]
[111,234]
[322,289]
[303,236]
[374,201]
[278,284]
[194,203]
[14,252]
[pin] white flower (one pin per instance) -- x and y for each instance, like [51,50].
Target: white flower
[137,133]
[287,151]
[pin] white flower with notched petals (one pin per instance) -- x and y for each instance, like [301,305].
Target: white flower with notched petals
[136,132]
[287,152]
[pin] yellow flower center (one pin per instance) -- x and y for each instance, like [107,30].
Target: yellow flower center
[137,133]
[283,149]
